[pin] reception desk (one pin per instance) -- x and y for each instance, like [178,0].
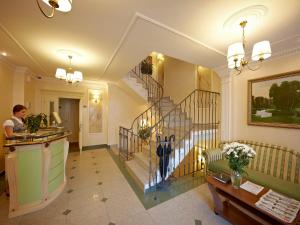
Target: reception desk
[35,170]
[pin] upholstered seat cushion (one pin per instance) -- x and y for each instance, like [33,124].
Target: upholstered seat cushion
[274,183]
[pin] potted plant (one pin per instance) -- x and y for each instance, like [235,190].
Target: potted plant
[34,122]
[238,156]
[144,133]
[146,66]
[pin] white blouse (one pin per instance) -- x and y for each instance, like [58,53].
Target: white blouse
[10,123]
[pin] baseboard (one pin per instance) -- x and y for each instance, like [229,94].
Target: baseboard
[92,147]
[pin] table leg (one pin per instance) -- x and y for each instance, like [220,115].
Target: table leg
[218,203]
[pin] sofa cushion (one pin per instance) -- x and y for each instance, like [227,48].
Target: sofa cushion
[219,166]
[276,184]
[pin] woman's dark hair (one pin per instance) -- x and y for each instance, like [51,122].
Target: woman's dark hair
[18,108]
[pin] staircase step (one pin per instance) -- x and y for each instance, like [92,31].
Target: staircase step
[139,173]
[143,159]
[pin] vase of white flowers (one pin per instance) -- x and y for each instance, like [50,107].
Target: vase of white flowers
[238,156]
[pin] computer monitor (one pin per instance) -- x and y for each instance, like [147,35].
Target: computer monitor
[56,118]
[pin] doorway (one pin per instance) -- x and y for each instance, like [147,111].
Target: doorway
[69,113]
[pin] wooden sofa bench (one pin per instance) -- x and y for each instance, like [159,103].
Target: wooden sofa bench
[275,167]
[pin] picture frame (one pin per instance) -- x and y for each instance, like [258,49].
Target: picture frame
[95,111]
[274,101]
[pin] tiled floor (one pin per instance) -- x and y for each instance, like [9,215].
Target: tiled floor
[97,193]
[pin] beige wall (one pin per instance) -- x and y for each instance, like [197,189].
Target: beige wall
[179,78]
[123,109]
[208,80]
[240,130]
[29,93]
[6,99]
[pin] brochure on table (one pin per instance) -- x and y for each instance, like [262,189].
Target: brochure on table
[281,207]
[251,187]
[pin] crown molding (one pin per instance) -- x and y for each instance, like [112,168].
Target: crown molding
[5,30]
[5,61]
[146,19]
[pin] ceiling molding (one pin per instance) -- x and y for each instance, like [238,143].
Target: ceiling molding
[141,16]
[3,28]
[5,61]
[286,39]
[157,23]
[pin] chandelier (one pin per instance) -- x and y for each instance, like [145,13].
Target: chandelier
[236,53]
[69,75]
[60,5]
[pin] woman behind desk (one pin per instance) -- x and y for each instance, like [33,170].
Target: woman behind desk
[16,123]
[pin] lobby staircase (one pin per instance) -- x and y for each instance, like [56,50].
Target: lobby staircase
[194,122]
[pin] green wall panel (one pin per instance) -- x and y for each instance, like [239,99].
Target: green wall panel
[29,173]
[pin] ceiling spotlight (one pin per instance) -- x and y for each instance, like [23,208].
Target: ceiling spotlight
[4,53]
[60,5]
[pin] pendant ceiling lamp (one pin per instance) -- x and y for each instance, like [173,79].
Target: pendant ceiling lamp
[69,75]
[60,5]
[236,56]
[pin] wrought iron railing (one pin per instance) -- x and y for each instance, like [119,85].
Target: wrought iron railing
[195,123]
[129,141]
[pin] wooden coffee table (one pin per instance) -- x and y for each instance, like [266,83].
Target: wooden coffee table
[238,206]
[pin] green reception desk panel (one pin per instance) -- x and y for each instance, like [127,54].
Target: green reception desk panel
[56,168]
[29,170]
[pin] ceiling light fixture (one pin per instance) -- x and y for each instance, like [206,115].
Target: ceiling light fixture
[236,53]
[60,5]
[4,53]
[69,75]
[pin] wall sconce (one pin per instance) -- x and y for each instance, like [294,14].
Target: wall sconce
[160,57]
[96,98]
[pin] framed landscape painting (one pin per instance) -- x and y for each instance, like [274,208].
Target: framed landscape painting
[275,100]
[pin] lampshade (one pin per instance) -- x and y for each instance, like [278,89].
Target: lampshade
[60,73]
[77,77]
[70,77]
[64,5]
[261,50]
[235,51]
